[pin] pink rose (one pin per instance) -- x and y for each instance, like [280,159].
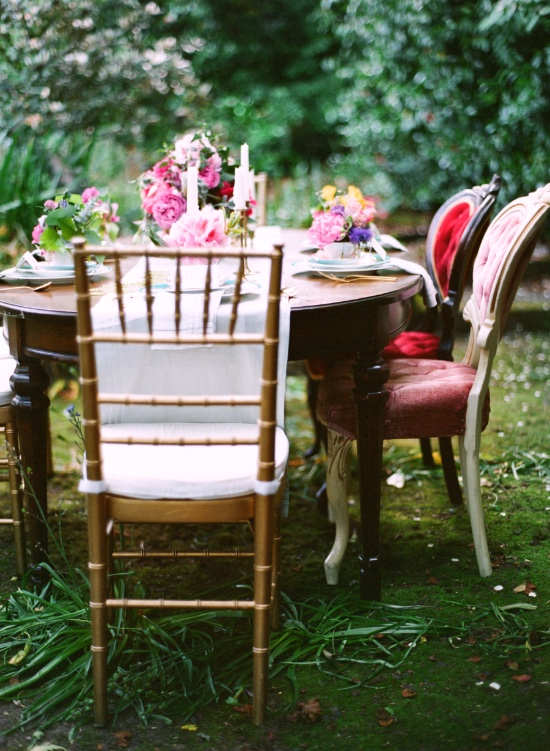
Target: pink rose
[37,233]
[50,205]
[161,168]
[168,209]
[152,193]
[89,193]
[210,177]
[204,230]
[326,228]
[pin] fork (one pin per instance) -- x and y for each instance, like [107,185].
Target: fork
[40,288]
[357,277]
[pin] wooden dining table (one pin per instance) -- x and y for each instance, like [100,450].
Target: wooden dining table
[327,317]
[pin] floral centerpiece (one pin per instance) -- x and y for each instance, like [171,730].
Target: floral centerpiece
[91,215]
[163,188]
[342,222]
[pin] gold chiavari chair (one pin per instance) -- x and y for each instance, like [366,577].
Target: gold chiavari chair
[171,455]
[8,463]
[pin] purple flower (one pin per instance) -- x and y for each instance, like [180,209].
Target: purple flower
[359,235]
[338,209]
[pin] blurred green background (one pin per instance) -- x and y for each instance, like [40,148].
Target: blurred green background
[409,99]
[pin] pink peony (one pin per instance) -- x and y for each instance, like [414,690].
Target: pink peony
[326,228]
[361,214]
[185,148]
[89,193]
[210,177]
[152,193]
[37,233]
[215,162]
[205,230]
[168,209]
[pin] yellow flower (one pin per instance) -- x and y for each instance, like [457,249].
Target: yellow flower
[328,193]
[355,194]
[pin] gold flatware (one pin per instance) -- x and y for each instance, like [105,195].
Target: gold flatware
[40,288]
[357,277]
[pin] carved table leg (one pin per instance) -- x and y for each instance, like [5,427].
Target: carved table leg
[370,373]
[31,404]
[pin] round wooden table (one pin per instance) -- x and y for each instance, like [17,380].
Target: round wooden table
[327,318]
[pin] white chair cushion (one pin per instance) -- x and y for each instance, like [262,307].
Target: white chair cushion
[7,366]
[197,472]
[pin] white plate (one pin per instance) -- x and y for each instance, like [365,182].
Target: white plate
[346,265]
[339,263]
[30,276]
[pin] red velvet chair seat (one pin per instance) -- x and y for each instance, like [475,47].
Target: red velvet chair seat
[413,344]
[427,399]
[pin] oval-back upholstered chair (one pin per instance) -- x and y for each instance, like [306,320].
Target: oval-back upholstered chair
[182,416]
[453,240]
[435,398]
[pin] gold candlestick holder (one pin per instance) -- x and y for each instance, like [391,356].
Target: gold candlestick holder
[244,237]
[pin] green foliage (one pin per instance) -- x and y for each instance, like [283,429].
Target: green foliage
[91,64]
[267,66]
[442,94]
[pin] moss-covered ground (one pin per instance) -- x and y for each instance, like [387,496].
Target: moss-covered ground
[478,677]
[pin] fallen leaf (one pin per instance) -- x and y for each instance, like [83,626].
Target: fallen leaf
[244,709]
[512,665]
[481,737]
[505,722]
[520,587]
[521,678]
[311,710]
[191,728]
[474,659]
[432,580]
[529,587]
[408,693]
[123,738]
[385,719]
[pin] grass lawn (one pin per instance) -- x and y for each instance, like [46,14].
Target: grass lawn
[448,661]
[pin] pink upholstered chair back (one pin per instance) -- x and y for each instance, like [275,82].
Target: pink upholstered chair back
[501,261]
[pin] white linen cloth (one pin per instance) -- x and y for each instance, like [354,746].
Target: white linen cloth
[429,291]
[147,471]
